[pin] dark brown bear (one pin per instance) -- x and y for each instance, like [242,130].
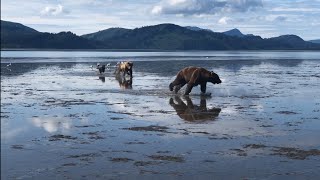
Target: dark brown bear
[193,76]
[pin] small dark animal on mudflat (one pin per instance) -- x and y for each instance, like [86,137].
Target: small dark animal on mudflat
[101,68]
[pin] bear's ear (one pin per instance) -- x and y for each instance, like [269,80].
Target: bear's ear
[213,74]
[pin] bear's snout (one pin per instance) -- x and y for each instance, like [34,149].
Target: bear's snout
[217,81]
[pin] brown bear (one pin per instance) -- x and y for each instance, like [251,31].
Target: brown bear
[193,76]
[125,68]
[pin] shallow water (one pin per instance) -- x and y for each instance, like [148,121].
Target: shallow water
[60,119]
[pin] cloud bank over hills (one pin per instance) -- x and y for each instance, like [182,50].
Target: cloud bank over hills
[263,17]
[157,37]
[200,7]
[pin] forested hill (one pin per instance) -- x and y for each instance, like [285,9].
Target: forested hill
[15,35]
[174,37]
[157,37]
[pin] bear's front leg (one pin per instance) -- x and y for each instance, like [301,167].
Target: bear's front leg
[171,86]
[130,73]
[203,87]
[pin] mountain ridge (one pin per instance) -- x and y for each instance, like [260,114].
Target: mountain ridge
[16,35]
[234,32]
[317,41]
[165,36]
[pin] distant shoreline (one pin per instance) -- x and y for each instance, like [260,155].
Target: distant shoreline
[147,50]
[93,50]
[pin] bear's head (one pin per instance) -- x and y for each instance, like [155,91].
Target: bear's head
[129,64]
[214,78]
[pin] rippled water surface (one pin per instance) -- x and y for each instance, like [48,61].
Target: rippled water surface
[60,119]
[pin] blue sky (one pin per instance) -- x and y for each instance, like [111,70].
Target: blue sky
[267,18]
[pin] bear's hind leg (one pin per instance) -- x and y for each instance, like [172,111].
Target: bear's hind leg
[174,83]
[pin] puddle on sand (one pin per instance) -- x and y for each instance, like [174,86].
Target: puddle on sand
[65,120]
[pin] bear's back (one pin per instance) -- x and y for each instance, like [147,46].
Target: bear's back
[191,69]
[188,71]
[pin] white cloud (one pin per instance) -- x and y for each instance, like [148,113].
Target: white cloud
[223,20]
[285,9]
[54,10]
[196,7]
[156,10]
[87,2]
[176,2]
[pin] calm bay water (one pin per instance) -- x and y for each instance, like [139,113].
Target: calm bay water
[89,56]
[60,119]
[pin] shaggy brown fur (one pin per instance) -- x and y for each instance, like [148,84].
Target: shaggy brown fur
[193,76]
[125,68]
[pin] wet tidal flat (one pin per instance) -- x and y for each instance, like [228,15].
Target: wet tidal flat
[62,120]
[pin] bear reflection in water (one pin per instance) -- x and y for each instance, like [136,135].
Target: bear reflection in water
[124,82]
[191,112]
